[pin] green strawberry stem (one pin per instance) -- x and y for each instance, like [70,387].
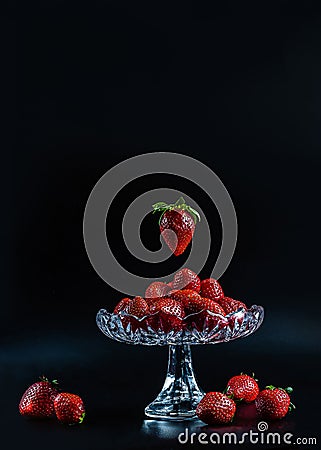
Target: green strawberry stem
[81,419]
[53,382]
[252,376]
[292,407]
[288,390]
[179,204]
[231,396]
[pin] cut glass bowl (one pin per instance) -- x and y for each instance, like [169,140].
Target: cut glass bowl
[180,394]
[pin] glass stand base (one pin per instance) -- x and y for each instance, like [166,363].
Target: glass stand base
[180,394]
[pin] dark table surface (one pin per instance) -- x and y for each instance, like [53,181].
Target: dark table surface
[117,381]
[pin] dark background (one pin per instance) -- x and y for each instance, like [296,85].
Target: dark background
[90,84]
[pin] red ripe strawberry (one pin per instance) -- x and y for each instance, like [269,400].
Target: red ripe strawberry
[243,387]
[216,408]
[177,224]
[169,306]
[186,279]
[169,317]
[69,408]
[207,320]
[138,307]
[212,289]
[156,291]
[122,305]
[230,305]
[274,403]
[212,306]
[38,399]
[191,300]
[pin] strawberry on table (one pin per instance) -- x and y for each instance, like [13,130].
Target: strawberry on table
[216,408]
[177,224]
[69,408]
[274,403]
[211,288]
[243,387]
[187,279]
[38,399]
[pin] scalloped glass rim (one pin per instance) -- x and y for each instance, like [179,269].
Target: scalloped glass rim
[238,324]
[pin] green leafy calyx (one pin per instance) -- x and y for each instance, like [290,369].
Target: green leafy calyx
[162,207]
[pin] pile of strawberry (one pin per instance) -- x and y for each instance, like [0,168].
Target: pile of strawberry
[165,305]
[43,400]
[220,407]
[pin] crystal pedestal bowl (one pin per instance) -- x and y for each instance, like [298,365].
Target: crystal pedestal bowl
[180,394]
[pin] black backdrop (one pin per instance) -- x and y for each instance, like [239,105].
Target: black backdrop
[90,85]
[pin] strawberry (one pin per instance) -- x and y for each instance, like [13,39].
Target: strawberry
[216,408]
[38,399]
[186,279]
[212,306]
[274,403]
[169,306]
[138,307]
[230,305]
[170,286]
[211,288]
[69,408]
[169,317]
[156,291]
[177,224]
[243,387]
[191,300]
[208,318]
[122,305]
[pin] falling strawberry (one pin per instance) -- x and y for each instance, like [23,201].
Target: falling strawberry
[243,387]
[177,224]
[69,408]
[212,289]
[230,305]
[187,279]
[122,305]
[216,408]
[38,399]
[274,403]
